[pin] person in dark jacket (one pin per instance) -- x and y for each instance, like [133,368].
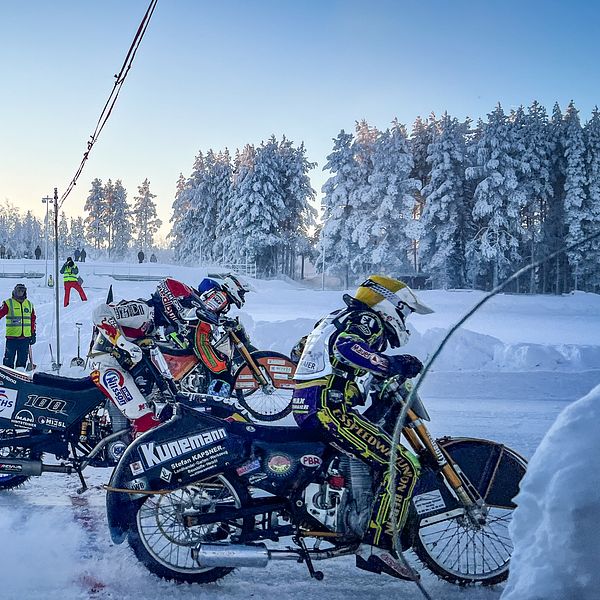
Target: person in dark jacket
[153,258]
[37,252]
[140,256]
[77,255]
[82,255]
[70,273]
[20,327]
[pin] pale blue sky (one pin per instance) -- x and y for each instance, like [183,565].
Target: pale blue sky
[216,74]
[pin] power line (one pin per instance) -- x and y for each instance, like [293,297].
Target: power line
[112,98]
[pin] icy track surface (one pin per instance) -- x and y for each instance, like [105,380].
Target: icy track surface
[56,543]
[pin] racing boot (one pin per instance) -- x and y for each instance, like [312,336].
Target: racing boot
[377,560]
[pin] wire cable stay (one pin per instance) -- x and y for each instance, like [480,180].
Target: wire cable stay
[112,98]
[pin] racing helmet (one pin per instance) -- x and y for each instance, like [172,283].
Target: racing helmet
[217,293]
[176,299]
[393,301]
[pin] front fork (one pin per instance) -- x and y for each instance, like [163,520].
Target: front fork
[422,441]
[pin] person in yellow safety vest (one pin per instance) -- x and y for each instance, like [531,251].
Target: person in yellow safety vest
[20,327]
[70,274]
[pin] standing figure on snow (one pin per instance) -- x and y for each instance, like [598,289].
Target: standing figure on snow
[82,255]
[345,345]
[77,255]
[140,257]
[71,279]
[20,327]
[37,252]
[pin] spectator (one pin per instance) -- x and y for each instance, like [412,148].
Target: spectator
[141,256]
[72,281]
[77,255]
[20,327]
[8,254]
[82,255]
[2,251]
[37,252]
[153,257]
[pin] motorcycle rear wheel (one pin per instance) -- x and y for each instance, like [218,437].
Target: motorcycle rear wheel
[163,544]
[8,481]
[453,548]
[264,405]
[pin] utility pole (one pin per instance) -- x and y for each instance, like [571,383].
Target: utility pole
[47,200]
[56,286]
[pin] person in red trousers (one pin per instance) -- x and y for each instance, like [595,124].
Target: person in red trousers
[70,273]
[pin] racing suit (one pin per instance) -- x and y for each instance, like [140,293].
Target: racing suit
[344,346]
[118,366]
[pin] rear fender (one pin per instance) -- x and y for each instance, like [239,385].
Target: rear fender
[188,447]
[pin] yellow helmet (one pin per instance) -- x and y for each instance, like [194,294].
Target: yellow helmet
[393,300]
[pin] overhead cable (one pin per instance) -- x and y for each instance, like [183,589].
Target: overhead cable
[112,98]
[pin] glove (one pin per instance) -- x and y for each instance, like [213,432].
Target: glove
[405,364]
[32,340]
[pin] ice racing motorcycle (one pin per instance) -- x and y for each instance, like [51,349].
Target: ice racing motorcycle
[197,497]
[83,424]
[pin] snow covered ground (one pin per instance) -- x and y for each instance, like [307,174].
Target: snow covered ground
[506,376]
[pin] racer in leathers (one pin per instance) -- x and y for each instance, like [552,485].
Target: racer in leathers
[119,368]
[345,345]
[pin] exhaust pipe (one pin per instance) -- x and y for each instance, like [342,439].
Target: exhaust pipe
[256,555]
[14,466]
[228,555]
[30,468]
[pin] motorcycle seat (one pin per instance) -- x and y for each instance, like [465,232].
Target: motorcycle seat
[72,384]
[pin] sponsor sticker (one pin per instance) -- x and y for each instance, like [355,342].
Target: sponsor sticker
[311,460]
[166,475]
[24,418]
[52,422]
[136,467]
[136,484]
[8,468]
[275,361]
[277,369]
[256,477]
[429,502]
[248,467]
[279,464]
[8,402]
[154,454]
[280,376]
[113,381]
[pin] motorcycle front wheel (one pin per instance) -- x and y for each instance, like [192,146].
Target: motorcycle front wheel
[275,401]
[163,542]
[453,547]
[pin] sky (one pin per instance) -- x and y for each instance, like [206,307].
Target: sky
[222,74]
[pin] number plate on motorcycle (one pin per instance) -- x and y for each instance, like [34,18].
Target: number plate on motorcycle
[429,502]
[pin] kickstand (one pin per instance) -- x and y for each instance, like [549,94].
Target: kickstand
[84,486]
[305,555]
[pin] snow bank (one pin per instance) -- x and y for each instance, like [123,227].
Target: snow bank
[556,527]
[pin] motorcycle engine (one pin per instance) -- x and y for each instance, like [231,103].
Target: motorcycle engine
[343,501]
[195,381]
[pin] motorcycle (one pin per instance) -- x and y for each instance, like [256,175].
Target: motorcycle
[262,380]
[73,419]
[197,497]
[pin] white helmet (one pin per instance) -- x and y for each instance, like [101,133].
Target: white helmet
[393,300]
